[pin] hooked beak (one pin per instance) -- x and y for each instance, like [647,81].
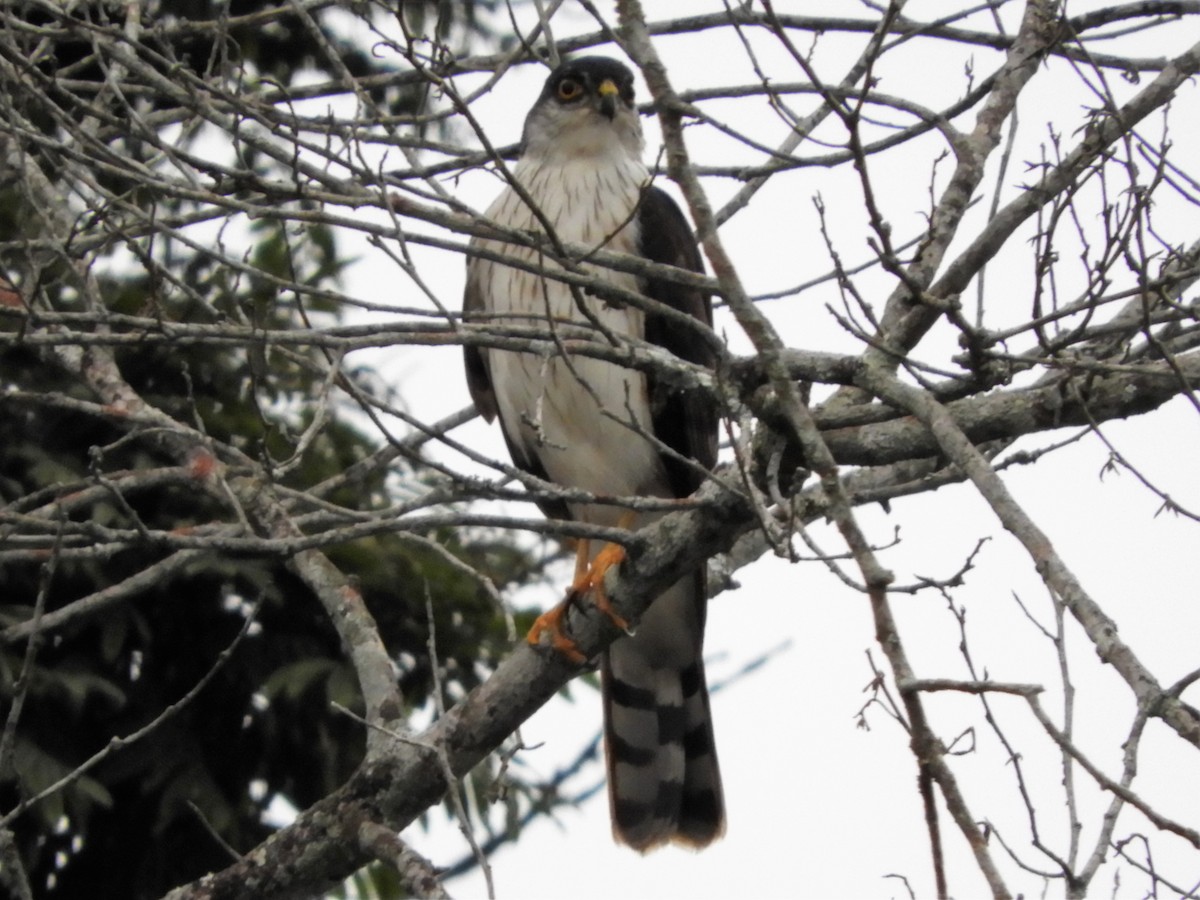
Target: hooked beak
[609,95]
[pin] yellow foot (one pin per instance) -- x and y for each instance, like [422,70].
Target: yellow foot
[589,580]
[593,581]
[552,622]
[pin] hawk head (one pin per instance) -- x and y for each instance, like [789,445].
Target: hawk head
[585,110]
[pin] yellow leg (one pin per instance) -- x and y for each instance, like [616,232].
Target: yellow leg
[589,578]
[583,551]
[593,580]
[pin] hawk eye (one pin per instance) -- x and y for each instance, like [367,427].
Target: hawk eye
[569,89]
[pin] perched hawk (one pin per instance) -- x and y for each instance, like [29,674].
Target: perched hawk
[612,431]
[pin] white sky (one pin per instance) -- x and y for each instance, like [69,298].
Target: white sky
[819,807]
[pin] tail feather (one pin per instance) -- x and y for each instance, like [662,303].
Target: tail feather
[663,779]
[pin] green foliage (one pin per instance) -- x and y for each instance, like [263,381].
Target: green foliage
[158,811]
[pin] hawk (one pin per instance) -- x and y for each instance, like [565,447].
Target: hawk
[612,431]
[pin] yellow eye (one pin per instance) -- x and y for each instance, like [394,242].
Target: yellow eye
[569,89]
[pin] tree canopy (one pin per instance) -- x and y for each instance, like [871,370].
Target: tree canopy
[240,568]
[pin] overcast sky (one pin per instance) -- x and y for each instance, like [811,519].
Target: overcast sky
[820,806]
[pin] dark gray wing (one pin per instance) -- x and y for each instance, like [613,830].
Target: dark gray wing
[684,420]
[663,777]
[479,379]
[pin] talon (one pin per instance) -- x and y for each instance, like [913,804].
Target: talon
[588,580]
[552,621]
[593,580]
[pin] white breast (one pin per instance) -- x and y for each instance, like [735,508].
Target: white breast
[578,416]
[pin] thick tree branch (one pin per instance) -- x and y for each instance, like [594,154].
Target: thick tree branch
[392,788]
